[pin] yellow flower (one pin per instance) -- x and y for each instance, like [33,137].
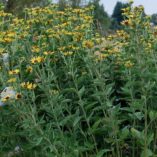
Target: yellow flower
[31,86]
[29,69]
[126,22]
[18,96]
[128,64]
[6,98]
[14,72]
[11,34]
[28,85]
[69,53]
[35,49]
[48,53]
[88,44]
[38,59]
[7,40]
[11,80]
[54,92]
[1,50]
[100,56]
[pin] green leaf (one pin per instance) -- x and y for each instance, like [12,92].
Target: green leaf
[109,104]
[135,133]
[102,152]
[66,120]
[76,121]
[124,133]
[96,124]
[39,140]
[109,89]
[81,91]
[150,138]
[146,153]
[139,115]
[152,115]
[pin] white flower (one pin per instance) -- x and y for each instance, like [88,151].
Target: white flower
[5,57]
[16,152]
[1,103]
[8,91]
[17,149]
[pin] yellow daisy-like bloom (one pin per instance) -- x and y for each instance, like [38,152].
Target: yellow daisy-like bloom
[38,59]
[28,85]
[31,86]
[100,56]
[29,69]
[11,34]
[11,80]
[69,53]
[6,98]
[35,49]
[88,44]
[18,96]
[126,22]
[48,52]
[54,92]
[14,72]
[7,40]
[128,64]
[1,50]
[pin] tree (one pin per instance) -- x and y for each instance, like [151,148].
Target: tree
[62,4]
[17,6]
[75,3]
[154,19]
[101,17]
[117,16]
[72,3]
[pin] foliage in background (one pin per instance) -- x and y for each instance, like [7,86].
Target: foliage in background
[17,6]
[154,19]
[101,18]
[117,16]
